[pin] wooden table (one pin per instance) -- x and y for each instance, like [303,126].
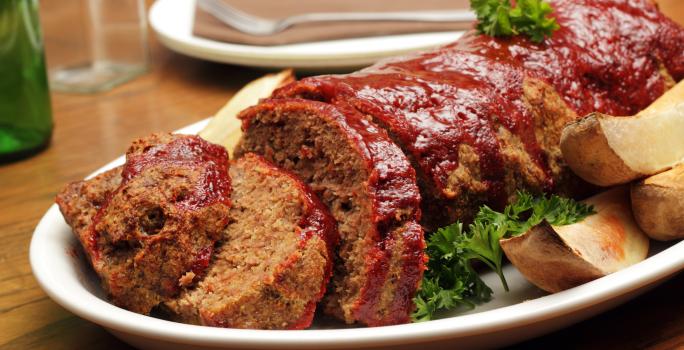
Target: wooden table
[91,130]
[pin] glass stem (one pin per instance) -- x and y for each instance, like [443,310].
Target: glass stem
[98,39]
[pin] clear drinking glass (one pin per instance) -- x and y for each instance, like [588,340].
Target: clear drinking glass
[25,114]
[107,41]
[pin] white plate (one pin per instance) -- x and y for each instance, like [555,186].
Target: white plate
[522,313]
[172,20]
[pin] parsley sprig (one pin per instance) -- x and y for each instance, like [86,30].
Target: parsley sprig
[451,282]
[528,17]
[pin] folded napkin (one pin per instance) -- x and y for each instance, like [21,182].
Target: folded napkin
[207,26]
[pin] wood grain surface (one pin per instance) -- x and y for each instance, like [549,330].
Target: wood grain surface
[91,130]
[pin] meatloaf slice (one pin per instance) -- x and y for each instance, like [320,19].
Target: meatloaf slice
[149,228]
[275,259]
[371,190]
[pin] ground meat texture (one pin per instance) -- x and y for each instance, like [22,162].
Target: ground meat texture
[79,201]
[480,118]
[370,188]
[275,258]
[154,233]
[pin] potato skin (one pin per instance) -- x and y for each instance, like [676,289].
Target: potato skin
[658,204]
[556,258]
[588,154]
[547,261]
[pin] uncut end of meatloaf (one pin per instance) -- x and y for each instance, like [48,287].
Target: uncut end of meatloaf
[480,118]
[155,232]
[467,188]
[370,188]
[275,259]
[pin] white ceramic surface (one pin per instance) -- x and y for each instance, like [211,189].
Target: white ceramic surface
[522,313]
[172,20]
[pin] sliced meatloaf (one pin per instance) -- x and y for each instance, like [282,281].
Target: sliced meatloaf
[370,188]
[168,227]
[275,258]
[481,118]
[149,227]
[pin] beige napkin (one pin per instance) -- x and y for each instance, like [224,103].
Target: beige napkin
[207,26]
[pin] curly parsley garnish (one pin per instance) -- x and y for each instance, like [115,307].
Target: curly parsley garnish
[451,282]
[528,17]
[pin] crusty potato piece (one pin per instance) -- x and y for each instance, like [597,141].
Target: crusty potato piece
[224,127]
[658,204]
[607,150]
[555,258]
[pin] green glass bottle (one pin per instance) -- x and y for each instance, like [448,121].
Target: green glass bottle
[25,114]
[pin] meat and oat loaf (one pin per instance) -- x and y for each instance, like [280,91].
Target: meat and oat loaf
[481,118]
[370,188]
[149,227]
[275,258]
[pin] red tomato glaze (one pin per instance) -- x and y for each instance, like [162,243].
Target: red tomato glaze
[606,57]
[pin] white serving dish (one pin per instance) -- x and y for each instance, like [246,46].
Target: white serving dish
[520,314]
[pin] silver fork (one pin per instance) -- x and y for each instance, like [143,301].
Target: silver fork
[259,26]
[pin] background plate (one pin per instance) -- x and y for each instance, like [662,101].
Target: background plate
[172,21]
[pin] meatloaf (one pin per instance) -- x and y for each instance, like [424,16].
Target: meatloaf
[149,227]
[368,185]
[275,258]
[481,118]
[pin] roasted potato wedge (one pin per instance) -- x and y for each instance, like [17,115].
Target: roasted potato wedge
[607,150]
[221,128]
[556,258]
[658,204]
